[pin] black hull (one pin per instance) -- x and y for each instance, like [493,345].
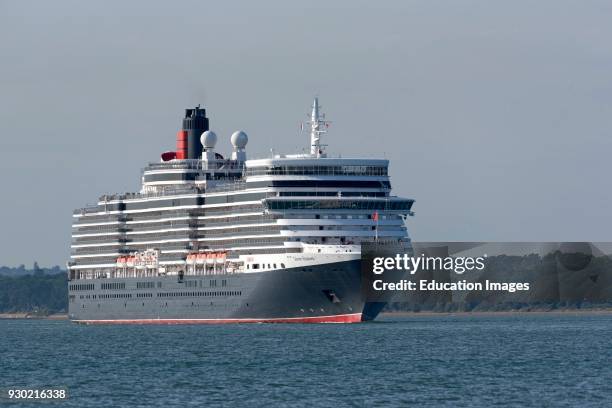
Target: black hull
[318,293]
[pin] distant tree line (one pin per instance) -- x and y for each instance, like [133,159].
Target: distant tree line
[557,281]
[22,270]
[37,292]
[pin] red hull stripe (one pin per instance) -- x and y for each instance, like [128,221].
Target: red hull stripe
[344,318]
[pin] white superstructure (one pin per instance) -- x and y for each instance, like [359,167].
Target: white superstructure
[213,214]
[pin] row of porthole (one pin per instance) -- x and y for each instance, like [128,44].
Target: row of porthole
[193,294]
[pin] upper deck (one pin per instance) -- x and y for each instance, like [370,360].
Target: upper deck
[321,166]
[189,203]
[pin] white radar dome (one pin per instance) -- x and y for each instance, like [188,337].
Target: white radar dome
[239,139]
[208,139]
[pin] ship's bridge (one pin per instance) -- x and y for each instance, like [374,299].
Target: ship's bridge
[330,175]
[282,166]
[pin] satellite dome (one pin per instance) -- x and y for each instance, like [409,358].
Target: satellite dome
[239,139]
[208,139]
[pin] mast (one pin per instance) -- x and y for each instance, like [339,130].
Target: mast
[318,126]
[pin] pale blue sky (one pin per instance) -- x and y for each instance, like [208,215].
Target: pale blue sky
[496,116]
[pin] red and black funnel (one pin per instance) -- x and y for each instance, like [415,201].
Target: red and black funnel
[188,145]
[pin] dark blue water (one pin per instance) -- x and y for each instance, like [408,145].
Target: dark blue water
[476,361]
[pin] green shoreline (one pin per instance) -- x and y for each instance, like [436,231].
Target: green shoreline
[25,315]
[503,313]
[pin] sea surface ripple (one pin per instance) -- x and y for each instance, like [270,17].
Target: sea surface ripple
[448,360]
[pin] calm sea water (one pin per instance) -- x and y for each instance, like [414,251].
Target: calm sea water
[476,361]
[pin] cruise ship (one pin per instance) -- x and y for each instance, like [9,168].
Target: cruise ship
[217,239]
